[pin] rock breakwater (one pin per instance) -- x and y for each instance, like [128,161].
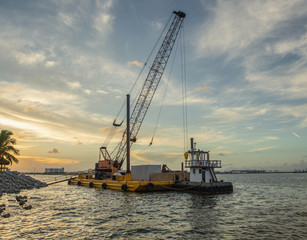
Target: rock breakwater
[14,182]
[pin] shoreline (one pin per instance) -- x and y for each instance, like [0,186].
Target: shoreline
[244,172]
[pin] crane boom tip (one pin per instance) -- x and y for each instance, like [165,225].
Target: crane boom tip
[180,14]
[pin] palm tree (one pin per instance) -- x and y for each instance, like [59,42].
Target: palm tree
[6,147]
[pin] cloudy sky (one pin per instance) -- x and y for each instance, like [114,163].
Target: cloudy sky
[66,66]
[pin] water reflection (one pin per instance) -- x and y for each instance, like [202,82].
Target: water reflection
[201,215]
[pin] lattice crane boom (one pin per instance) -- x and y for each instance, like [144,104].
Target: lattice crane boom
[150,85]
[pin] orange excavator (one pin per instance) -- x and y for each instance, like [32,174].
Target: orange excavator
[107,164]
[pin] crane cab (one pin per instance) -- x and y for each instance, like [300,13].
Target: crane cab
[105,167]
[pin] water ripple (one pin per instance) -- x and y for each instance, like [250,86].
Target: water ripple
[263,206]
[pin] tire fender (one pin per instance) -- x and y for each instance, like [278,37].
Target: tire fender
[150,187]
[124,187]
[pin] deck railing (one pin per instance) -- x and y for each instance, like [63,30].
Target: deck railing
[203,163]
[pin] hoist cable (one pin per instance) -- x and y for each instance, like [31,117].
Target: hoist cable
[184,92]
[165,91]
[112,130]
[141,72]
[185,83]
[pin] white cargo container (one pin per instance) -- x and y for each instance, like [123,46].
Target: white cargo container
[144,172]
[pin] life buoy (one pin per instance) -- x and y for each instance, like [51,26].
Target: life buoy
[150,187]
[79,183]
[91,184]
[104,185]
[124,187]
[69,182]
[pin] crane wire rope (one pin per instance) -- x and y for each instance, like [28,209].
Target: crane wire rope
[112,130]
[162,102]
[184,92]
[149,86]
[165,91]
[164,95]
[141,72]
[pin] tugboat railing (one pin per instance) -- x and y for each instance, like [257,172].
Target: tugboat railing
[203,163]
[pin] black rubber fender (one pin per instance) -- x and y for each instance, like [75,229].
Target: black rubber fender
[91,184]
[150,187]
[124,187]
[79,183]
[69,182]
[104,186]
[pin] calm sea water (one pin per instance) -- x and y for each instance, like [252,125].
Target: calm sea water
[263,206]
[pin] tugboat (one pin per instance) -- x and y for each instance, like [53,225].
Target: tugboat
[202,176]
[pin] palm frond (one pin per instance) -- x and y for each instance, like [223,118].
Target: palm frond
[11,158]
[6,146]
[12,149]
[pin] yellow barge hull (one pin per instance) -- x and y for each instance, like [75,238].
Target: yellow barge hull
[130,186]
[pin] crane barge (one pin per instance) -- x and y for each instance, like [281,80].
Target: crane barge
[202,178]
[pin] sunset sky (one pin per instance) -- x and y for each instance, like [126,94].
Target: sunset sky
[66,67]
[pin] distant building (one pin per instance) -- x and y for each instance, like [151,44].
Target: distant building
[54,170]
[246,171]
